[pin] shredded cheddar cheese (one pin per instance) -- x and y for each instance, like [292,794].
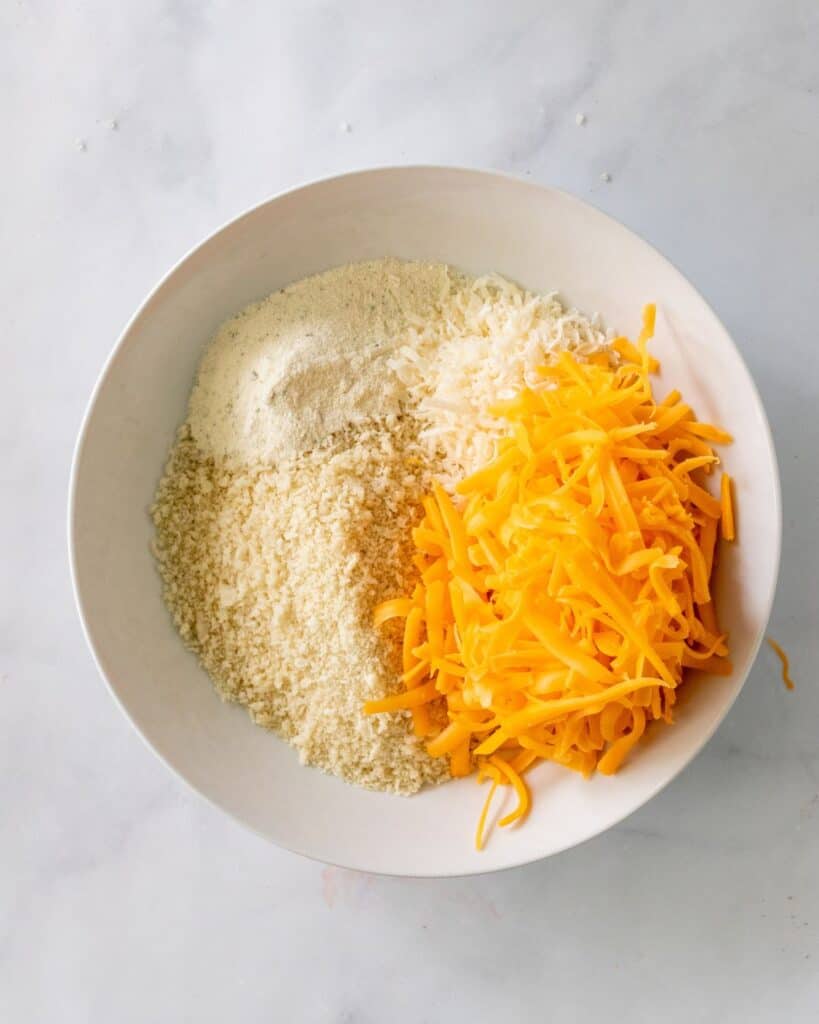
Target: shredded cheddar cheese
[726,508]
[786,665]
[566,587]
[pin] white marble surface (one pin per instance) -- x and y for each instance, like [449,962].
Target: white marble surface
[124,897]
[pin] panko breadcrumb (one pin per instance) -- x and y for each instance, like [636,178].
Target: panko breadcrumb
[271,574]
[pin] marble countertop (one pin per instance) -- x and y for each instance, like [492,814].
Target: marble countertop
[130,131]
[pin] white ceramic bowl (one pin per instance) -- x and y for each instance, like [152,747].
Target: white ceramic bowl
[480,222]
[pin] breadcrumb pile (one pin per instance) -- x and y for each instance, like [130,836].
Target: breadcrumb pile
[272,574]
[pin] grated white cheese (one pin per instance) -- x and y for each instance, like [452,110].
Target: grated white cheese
[483,344]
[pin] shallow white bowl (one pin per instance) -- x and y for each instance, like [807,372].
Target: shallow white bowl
[480,222]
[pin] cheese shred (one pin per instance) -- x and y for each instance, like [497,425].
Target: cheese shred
[786,665]
[566,586]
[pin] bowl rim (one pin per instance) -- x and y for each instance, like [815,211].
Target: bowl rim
[248,212]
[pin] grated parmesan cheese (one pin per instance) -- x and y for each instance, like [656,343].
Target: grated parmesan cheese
[483,344]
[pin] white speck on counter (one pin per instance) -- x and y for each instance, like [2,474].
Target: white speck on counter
[579,120]
[82,145]
[605,177]
[345,126]
[113,125]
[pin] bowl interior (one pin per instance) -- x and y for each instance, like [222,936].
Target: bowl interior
[539,237]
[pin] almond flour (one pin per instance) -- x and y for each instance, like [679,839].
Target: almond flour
[307,361]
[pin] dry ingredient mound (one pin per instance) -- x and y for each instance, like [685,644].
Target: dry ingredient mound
[271,575]
[303,364]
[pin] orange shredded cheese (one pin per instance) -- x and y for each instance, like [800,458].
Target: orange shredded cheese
[484,812]
[567,585]
[726,507]
[786,665]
